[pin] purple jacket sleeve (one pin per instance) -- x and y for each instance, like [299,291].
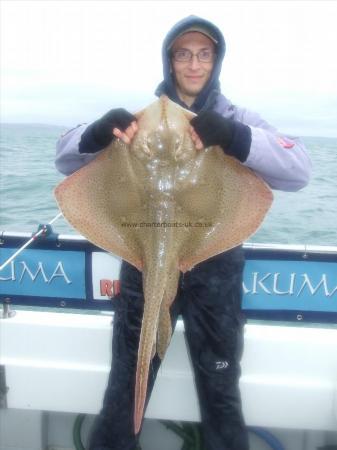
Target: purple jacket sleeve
[281,160]
[68,158]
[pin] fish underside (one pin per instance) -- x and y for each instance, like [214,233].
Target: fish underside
[163,206]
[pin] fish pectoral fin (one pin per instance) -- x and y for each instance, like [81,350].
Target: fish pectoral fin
[231,208]
[101,198]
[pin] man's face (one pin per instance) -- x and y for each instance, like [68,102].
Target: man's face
[191,76]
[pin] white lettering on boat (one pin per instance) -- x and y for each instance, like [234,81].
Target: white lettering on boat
[294,284]
[20,271]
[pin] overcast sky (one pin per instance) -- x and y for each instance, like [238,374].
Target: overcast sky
[68,62]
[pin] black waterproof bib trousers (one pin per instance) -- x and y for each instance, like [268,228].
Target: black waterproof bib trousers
[209,301]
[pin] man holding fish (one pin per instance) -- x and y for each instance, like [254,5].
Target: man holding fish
[209,296]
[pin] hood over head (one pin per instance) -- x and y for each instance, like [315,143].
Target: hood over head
[212,87]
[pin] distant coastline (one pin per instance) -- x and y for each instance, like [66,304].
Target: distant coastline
[31,124]
[67,127]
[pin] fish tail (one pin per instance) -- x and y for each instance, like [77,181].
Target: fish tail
[154,288]
[157,263]
[142,376]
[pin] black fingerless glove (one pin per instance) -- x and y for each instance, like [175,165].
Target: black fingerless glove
[99,134]
[232,136]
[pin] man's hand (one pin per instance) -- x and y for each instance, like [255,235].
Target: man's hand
[211,128]
[128,134]
[116,123]
[196,139]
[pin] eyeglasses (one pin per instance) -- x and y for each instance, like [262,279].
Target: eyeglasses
[185,55]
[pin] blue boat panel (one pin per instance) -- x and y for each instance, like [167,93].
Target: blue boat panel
[279,284]
[290,285]
[44,273]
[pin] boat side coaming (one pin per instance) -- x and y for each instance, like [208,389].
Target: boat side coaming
[281,282]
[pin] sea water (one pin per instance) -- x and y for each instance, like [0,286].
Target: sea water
[28,177]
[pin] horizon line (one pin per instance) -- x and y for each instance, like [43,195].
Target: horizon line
[69,127]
